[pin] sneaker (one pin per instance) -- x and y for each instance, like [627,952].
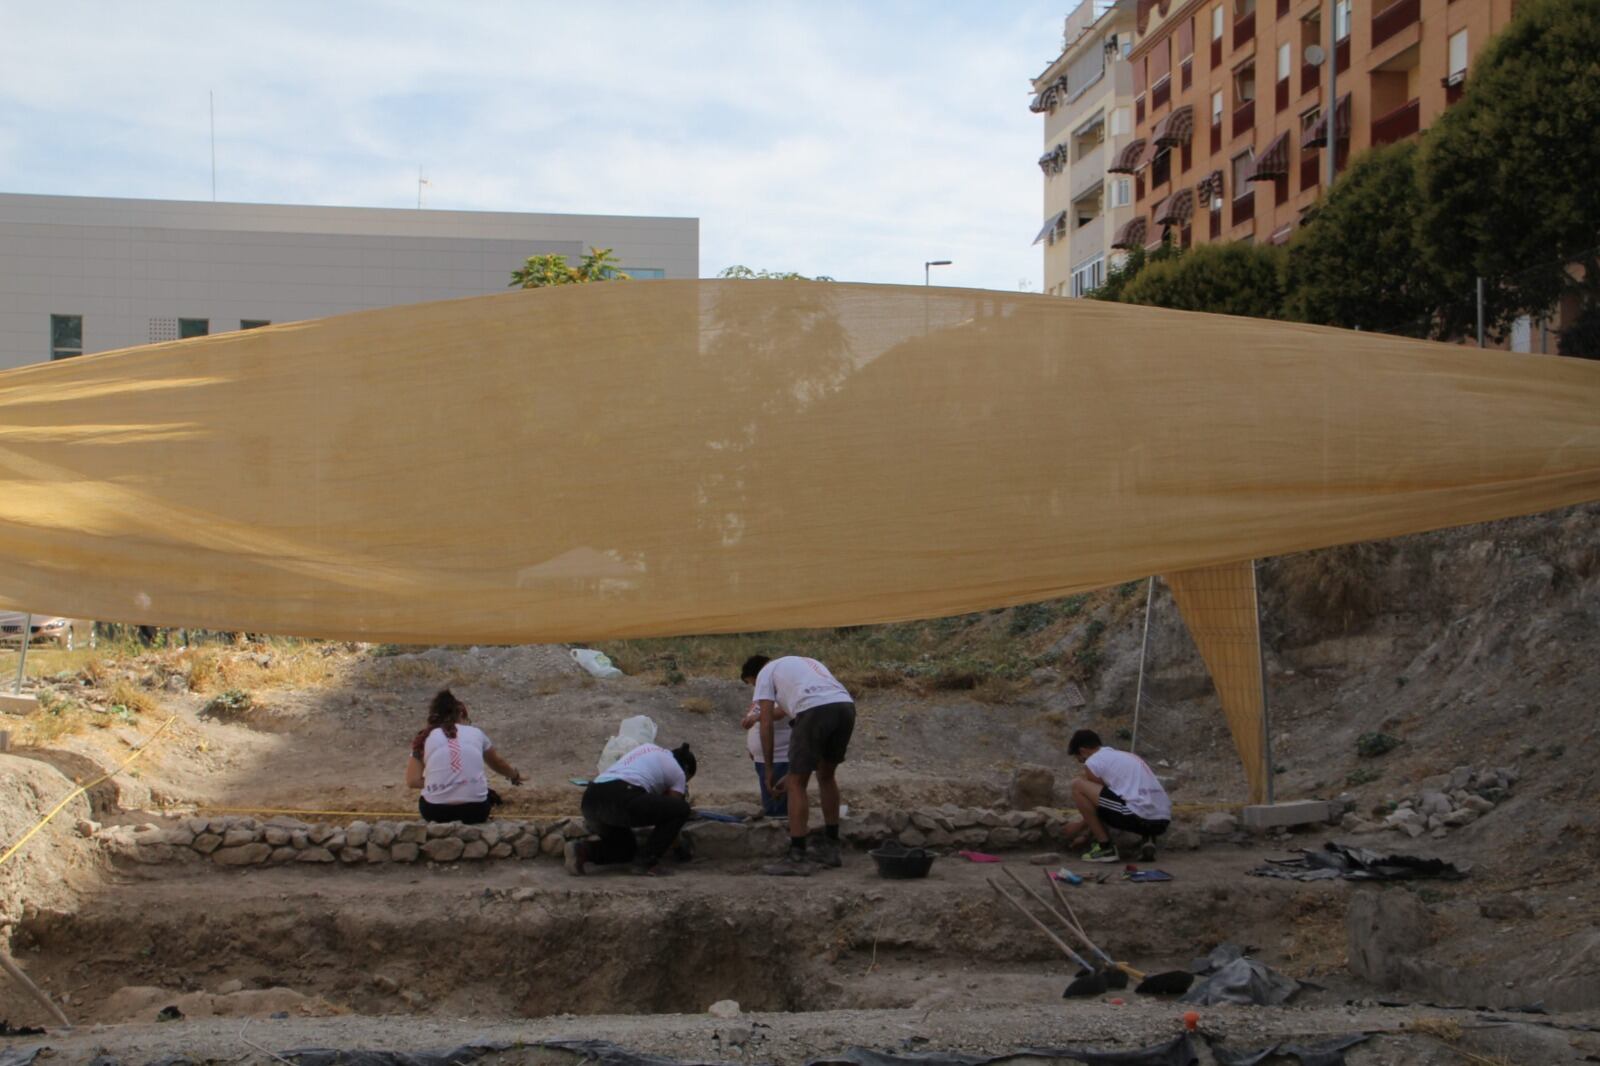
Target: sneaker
[575,857]
[1101,853]
[1147,850]
[825,852]
[653,870]
[793,864]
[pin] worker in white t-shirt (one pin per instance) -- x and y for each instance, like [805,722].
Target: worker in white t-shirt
[649,786]
[448,760]
[822,716]
[774,804]
[1117,789]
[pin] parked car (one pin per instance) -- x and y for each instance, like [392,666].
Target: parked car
[45,628]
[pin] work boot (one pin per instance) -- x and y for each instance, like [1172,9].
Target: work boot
[1106,852]
[1147,849]
[575,856]
[793,864]
[825,852]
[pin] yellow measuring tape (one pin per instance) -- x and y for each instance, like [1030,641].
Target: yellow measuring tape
[81,789]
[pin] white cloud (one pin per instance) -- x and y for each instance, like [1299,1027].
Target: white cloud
[852,141]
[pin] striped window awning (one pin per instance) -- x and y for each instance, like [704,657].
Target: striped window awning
[1318,136]
[1049,226]
[1050,96]
[1131,235]
[1177,128]
[1055,160]
[1177,209]
[1128,160]
[1273,163]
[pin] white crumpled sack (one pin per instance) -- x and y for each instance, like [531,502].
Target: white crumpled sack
[640,729]
[596,663]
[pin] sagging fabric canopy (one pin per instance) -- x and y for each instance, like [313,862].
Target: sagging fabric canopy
[1317,136]
[1274,162]
[1127,161]
[1176,128]
[1049,226]
[1177,209]
[1130,234]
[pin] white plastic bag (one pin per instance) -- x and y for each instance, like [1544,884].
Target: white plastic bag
[596,663]
[640,729]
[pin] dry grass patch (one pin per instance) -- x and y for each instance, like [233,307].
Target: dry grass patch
[135,699]
[697,705]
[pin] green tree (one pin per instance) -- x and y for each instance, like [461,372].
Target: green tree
[1509,173]
[1357,262]
[744,273]
[1226,279]
[542,270]
[1124,272]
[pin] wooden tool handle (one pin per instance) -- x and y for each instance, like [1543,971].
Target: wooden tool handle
[1026,913]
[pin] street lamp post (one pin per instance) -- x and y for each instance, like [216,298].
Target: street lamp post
[929,265]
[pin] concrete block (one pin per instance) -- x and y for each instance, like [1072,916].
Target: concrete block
[1294,812]
[23,704]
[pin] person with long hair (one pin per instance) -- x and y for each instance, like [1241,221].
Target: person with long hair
[649,786]
[448,760]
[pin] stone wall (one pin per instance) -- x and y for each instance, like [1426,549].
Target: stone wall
[246,841]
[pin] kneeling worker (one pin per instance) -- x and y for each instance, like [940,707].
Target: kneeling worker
[1119,790]
[648,786]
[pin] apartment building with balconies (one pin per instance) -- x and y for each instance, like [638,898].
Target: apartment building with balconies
[1086,98]
[1231,103]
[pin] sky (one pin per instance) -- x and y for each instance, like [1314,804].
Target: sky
[853,140]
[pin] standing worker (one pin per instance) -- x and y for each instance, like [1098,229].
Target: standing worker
[648,786]
[1117,789]
[447,763]
[822,716]
[774,804]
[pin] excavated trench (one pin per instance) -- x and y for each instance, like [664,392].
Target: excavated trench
[607,945]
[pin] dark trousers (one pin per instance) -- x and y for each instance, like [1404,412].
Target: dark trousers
[613,809]
[465,813]
[773,806]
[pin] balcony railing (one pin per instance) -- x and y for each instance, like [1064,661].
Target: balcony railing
[1398,124]
[1216,52]
[1308,77]
[1244,207]
[1186,69]
[1281,96]
[1244,117]
[1244,29]
[1394,18]
[1283,8]
[1341,54]
[1310,169]
[1216,137]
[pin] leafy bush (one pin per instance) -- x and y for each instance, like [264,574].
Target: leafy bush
[1372,745]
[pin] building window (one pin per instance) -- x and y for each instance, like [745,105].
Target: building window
[254,323]
[1120,192]
[1087,137]
[1285,60]
[1217,21]
[1161,168]
[1086,208]
[1244,83]
[1216,108]
[66,336]
[1121,122]
[1458,57]
[1243,164]
[193,327]
[1341,19]
[1089,277]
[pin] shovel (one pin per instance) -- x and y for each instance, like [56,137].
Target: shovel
[1092,982]
[1167,983]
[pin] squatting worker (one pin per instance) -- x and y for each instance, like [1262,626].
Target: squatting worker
[822,716]
[1119,790]
[447,762]
[774,804]
[649,786]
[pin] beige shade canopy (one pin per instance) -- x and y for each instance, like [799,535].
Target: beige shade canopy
[666,457]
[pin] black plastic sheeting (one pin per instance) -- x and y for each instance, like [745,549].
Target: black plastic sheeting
[1339,861]
[1243,981]
[1326,1053]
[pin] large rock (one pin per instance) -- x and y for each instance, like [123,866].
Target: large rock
[276,835]
[404,851]
[315,855]
[356,835]
[376,852]
[243,855]
[206,843]
[412,833]
[443,849]
[475,849]
[1219,824]
[1386,931]
[1031,786]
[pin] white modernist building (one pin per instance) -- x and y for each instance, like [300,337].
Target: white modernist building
[82,274]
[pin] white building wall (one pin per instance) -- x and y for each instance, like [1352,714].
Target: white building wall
[124,264]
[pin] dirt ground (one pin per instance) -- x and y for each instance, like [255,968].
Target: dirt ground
[1471,647]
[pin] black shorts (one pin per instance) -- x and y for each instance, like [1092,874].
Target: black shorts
[1113,811]
[821,735]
